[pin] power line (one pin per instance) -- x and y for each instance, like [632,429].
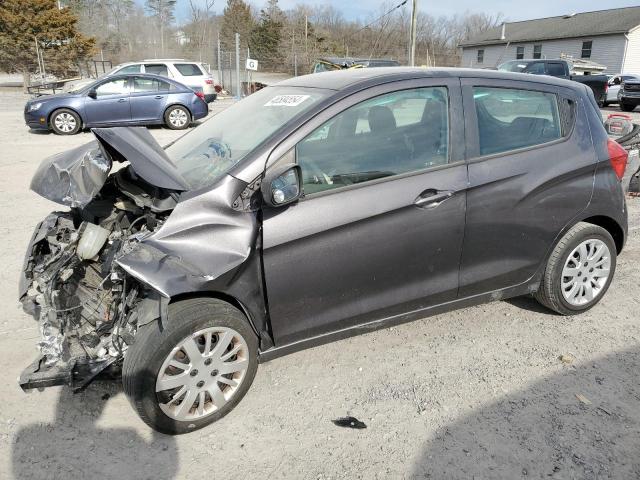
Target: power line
[376,20]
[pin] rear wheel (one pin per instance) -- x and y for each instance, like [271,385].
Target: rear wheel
[177,117]
[579,270]
[627,107]
[65,122]
[192,371]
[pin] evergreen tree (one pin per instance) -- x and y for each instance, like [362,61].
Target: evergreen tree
[266,37]
[25,22]
[236,18]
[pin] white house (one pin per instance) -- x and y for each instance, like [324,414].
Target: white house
[607,37]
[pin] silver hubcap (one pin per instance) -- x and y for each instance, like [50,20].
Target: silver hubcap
[65,122]
[585,272]
[178,117]
[202,373]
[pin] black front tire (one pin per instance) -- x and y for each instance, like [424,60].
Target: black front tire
[627,107]
[153,343]
[65,122]
[549,293]
[177,117]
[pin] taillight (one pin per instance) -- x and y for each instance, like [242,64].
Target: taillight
[618,157]
[200,95]
[208,81]
[606,87]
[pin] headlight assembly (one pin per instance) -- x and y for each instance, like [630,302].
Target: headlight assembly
[35,106]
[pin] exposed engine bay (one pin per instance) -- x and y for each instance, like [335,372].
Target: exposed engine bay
[83,301]
[85,304]
[129,242]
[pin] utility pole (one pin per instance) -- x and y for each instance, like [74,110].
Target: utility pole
[219,61]
[238,89]
[412,42]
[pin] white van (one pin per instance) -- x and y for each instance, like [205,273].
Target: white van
[194,75]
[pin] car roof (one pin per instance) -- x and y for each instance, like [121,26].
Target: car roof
[144,75]
[341,79]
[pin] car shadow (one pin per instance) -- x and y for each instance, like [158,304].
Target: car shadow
[581,423]
[74,447]
[529,303]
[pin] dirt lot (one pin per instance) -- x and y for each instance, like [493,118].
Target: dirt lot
[477,393]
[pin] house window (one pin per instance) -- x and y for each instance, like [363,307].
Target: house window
[519,53]
[537,51]
[586,49]
[480,56]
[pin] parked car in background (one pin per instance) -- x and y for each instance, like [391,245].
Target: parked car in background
[615,82]
[194,75]
[629,94]
[316,209]
[560,68]
[117,100]
[327,64]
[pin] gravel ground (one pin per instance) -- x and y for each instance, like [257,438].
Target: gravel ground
[476,393]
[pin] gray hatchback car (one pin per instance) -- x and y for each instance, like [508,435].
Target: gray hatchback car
[322,207]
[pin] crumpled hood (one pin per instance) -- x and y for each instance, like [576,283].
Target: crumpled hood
[74,177]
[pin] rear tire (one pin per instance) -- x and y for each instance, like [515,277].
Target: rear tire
[65,122]
[177,117]
[627,107]
[153,378]
[574,278]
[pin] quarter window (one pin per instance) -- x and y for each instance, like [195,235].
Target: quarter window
[519,53]
[388,135]
[537,51]
[586,49]
[480,56]
[509,119]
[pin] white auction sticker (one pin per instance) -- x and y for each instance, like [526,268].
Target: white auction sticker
[286,100]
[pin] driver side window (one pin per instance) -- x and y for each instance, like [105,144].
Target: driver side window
[388,135]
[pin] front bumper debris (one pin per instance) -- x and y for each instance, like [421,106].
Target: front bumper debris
[77,373]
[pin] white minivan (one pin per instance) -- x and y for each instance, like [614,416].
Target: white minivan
[194,75]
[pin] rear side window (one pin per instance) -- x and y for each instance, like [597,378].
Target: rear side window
[156,69]
[149,85]
[509,119]
[555,69]
[188,69]
[130,69]
[388,135]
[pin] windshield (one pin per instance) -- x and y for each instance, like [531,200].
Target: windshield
[513,66]
[210,150]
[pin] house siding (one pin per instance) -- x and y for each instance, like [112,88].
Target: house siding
[632,58]
[608,50]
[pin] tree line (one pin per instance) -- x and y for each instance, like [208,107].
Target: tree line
[122,30]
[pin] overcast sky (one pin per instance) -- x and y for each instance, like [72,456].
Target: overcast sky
[512,9]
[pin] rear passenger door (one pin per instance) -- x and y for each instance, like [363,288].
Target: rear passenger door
[148,99]
[531,167]
[379,230]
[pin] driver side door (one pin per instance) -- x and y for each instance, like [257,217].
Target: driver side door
[378,232]
[111,104]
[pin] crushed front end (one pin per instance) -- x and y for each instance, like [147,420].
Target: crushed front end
[86,306]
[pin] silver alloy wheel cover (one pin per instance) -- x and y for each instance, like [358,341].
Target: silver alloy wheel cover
[178,117]
[585,272]
[65,122]
[202,373]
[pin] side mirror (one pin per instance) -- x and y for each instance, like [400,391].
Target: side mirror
[92,93]
[282,185]
[616,81]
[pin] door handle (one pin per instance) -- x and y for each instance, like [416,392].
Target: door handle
[431,198]
[159,97]
[122,100]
